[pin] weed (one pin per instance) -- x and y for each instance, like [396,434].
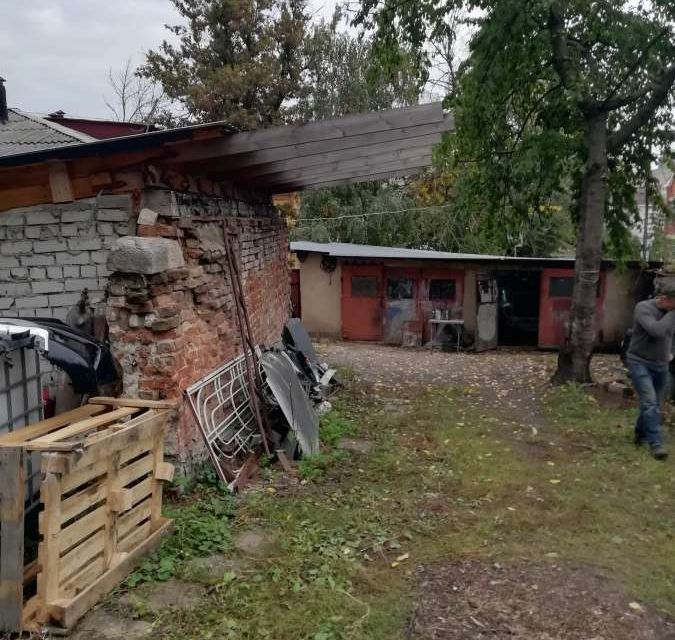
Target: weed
[201,527]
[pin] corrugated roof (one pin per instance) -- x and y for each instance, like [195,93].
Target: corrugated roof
[24,132]
[347,250]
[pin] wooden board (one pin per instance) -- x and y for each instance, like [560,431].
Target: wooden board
[11,538]
[101,503]
[68,612]
[45,426]
[135,402]
[82,426]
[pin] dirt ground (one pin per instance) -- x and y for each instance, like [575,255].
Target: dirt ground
[473,600]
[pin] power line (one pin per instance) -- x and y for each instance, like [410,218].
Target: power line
[374,213]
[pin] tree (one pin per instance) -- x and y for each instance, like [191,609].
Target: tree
[236,60]
[342,75]
[556,95]
[423,215]
[134,99]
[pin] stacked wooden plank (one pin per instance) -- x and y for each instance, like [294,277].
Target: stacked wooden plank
[103,467]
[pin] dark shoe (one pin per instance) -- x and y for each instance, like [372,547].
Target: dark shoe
[659,452]
[639,440]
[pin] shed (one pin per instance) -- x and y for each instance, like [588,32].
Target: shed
[138,221]
[396,295]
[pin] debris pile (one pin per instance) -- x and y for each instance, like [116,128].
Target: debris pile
[291,384]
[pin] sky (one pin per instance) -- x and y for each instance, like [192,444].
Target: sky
[55,54]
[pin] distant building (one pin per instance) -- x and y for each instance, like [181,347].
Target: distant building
[406,296]
[652,215]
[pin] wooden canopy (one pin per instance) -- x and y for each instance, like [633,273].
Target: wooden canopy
[350,149]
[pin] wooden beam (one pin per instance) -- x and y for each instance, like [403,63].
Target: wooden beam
[323,131]
[78,428]
[356,166]
[135,402]
[233,171]
[59,182]
[45,426]
[68,612]
[11,539]
[364,170]
[375,177]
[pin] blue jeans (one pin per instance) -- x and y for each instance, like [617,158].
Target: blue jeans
[650,385]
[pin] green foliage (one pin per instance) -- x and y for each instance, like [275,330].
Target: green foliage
[335,426]
[538,72]
[427,214]
[257,63]
[202,527]
[342,75]
[234,61]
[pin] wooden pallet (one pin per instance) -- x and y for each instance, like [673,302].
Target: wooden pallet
[101,494]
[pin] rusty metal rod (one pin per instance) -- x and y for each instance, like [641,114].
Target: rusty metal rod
[246,337]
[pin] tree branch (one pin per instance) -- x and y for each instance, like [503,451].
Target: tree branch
[622,101]
[561,54]
[659,94]
[562,61]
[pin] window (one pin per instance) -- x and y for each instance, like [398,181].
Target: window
[364,287]
[399,288]
[441,290]
[560,287]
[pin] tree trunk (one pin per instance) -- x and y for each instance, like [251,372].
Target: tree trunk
[575,353]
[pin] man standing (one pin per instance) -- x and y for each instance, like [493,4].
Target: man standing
[647,358]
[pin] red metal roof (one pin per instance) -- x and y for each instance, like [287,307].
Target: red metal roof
[102,129]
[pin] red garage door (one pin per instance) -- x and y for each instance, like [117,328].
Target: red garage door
[555,303]
[362,302]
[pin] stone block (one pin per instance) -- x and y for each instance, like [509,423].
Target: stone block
[77,284]
[76,216]
[48,286]
[13,247]
[69,230]
[112,215]
[37,261]
[41,217]
[76,244]
[72,258]
[12,219]
[18,272]
[60,313]
[32,233]
[105,228]
[147,216]
[14,288]
[71,271]
[37,273]
[54,273]
[33,302]
[88,271]
[8,262]
[113,201]
[133,254]
[64,299]
[6,303]
[99,257]
[49,246]
[102,271]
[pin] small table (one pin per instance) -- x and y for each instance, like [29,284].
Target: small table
[438,326]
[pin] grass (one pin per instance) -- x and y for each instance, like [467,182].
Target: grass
[446,479]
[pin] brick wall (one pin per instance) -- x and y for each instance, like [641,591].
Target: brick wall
[170,329]
[50,253]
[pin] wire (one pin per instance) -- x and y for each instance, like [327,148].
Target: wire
[375,213]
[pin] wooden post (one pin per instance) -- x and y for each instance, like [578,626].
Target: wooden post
[158,461]
[11,538]
[49,551]
[112,491]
